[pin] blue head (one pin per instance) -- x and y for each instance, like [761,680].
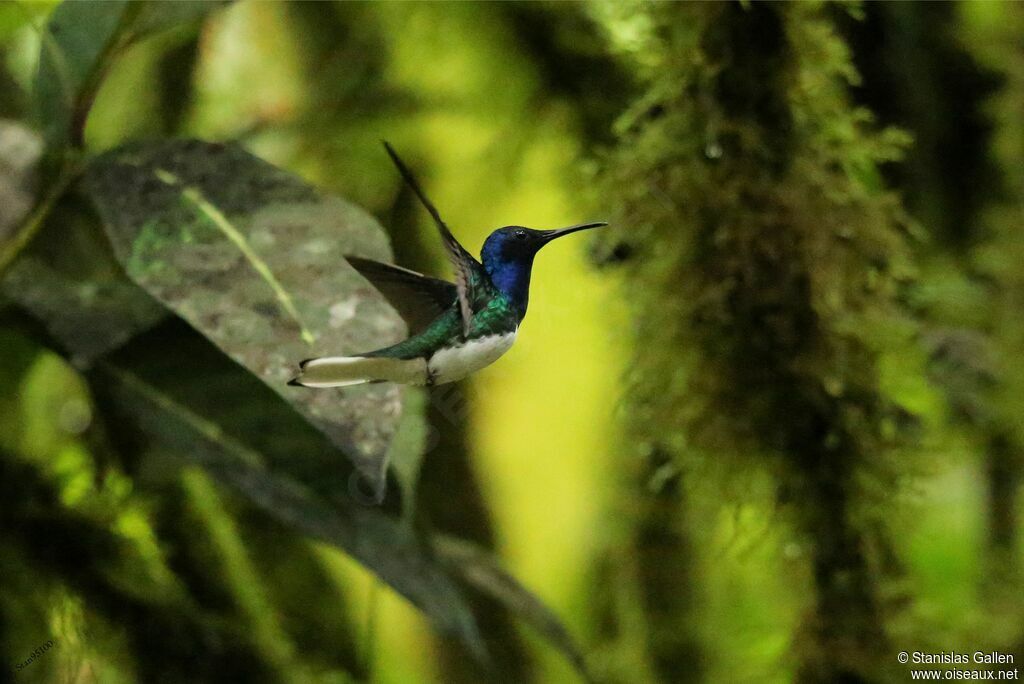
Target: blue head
[508,254]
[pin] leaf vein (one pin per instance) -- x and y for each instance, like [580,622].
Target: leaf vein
[222,223]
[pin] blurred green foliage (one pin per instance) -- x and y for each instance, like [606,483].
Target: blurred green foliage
[768,431]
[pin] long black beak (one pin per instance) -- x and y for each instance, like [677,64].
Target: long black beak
[550,235]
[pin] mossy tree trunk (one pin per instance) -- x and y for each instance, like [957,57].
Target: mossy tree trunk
[662,551]
[992,37]
[920,72]
[760,248]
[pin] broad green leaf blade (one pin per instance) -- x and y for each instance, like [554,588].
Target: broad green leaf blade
[77,39]
[480,570]
[379,542]
[17,15]
[81,40]
[157,15]
[253,258]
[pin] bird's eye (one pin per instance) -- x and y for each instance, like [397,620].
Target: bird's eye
[520,234]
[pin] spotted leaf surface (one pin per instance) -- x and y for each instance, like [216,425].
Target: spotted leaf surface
[253,258]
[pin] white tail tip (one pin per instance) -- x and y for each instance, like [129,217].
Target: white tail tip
[345,371]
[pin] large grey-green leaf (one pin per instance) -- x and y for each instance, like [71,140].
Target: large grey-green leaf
[253,258]
[381,543]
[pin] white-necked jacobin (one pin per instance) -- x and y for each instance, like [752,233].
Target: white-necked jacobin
[455,328]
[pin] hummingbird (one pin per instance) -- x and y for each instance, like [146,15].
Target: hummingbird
[455,328]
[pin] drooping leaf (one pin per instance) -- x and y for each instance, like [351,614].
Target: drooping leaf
[68,280]
[480,570]
[253,258]
[186,367]
[378,541]
[89,317]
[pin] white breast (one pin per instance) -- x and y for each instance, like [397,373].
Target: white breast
[455,363]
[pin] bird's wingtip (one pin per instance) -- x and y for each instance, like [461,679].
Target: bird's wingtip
[294,382]
[304,362]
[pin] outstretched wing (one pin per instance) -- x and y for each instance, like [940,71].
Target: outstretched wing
[418,299]
[462,260]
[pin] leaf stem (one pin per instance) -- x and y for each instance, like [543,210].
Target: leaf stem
[23,236]
[82,104]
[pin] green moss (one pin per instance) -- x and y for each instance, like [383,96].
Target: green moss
[763,278]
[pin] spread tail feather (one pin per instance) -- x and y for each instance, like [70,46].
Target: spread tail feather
[343,371]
